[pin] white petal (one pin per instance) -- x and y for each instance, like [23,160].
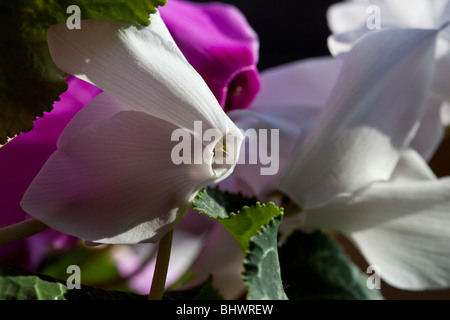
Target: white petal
[346,16]
[441,85]
[140,67]
[102,107]
[291,99]
[371,116]
[442,10]
[341,43]
[412,167]
[343,17]
[115,182]
[307,82]
[430,132]
[348,21]
[411,13]
[283,128]
[445,114]
[402,226]
[222,258]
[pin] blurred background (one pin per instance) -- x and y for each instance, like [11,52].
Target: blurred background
[291,30]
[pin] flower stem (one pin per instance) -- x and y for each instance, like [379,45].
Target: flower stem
[161,267]
[21,230]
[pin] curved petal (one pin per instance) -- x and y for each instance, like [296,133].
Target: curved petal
[412,167]
[220,45]
[346,16]
[444,10]
[102,107]
[115,182]
[445,114]
[352,15]
[291,99]
[371,116]
[137,262]
[341,43]
[222,258]
[140,67]
[307,82]
[424,14]
[413,13]
[23,157]
[441,86]
[401,226]
[430,132]
[270,138]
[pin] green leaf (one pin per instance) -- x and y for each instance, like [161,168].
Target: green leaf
[30,82]
[255,228]
[29,287]
[97,267]
[219,204]
[314,266]
[205,291]
[249,221]
[262,268]
[19,284]
[234,213]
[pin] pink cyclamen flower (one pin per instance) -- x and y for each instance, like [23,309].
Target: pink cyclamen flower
[20,161]
[219,43]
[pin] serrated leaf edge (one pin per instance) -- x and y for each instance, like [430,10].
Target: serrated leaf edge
[258,204]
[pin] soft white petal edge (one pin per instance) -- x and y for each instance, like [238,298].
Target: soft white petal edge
[371,116]
[301,83]
[136,66]
[431,131]
[291,98]
[115,182]
[270,138]
[222,258]
[445,114]
[402,226]
[346,16]
[102,107]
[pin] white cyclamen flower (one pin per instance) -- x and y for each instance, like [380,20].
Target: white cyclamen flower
[352,163]
[349,21]
[113,179]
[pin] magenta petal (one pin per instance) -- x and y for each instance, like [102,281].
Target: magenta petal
[220,44]
[22,158]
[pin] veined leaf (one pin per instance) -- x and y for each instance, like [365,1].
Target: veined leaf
[29,81]
[314,267]
[255,228]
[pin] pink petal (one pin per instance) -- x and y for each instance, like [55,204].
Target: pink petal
[23,157]
[220,44]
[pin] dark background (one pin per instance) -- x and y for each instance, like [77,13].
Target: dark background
[291,30]
[288,30]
